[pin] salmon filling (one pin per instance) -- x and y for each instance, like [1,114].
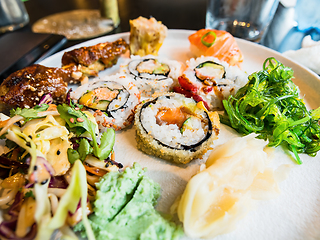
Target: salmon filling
[175,116]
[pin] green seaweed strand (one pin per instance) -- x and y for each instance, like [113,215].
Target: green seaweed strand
[269,105]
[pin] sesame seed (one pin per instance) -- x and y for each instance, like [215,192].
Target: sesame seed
[80,120]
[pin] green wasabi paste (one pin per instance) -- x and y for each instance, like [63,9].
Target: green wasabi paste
[124,208]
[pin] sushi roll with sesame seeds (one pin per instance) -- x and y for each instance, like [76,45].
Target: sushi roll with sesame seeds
[111,100]
[153,74]
[209,80]
[175,128]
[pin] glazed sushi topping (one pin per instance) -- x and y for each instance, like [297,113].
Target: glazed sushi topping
[149,67]
[208,71]
[110,96]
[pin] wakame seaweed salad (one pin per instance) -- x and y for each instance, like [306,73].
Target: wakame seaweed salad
[269,105]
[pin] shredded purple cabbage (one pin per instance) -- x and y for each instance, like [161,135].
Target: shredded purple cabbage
[58,182]
[68,98]
[7,228]
[45,163]
[46,99]
[12,163]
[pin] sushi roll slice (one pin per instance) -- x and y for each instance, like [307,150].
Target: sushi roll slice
[209,80]
[153,74]
[111,100]
[175,128]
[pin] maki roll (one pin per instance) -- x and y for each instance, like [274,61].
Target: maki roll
[211,81]
[111,101]
[175,128]
[153,74]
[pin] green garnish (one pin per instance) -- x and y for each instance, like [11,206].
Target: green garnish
[29,194]
[208,44]
[29,113]
[107,139]
[73,155]
[84,149]
[269,105]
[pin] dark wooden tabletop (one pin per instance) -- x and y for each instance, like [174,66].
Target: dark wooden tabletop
[175,14]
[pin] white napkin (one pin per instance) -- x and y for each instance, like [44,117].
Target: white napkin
[308,55]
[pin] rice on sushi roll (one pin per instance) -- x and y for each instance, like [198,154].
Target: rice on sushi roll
[175,128]
[153,74]
[111,100]
[209,80]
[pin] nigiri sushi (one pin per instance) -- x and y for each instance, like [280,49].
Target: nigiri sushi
[216,43]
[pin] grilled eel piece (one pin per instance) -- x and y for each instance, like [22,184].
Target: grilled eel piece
[91,60]
[25,88]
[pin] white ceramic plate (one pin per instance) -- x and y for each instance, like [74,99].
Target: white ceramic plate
[295,214]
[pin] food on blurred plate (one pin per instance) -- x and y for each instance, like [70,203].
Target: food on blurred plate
[111,100]
[175,128]
[90,60]
[218,197]
[269,105]
[48,150]
[124,208]
[26,87]
[216,43]
[209,80]
[153,74]
[146,36]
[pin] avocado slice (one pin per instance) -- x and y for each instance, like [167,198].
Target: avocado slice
[208,71]
[187,124]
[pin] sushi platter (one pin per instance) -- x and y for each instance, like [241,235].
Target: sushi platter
[116,94]
[294,214]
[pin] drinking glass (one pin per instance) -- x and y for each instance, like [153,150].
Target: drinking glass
[246,19]
[13,15]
